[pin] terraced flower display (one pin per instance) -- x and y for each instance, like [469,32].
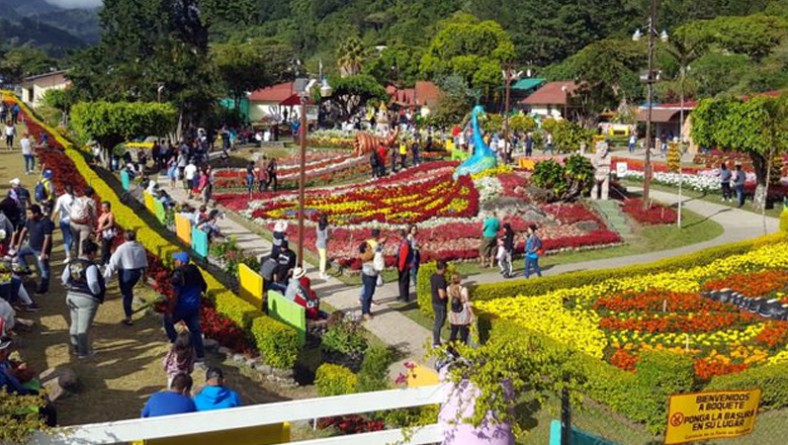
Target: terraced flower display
[448,213]
[618,319]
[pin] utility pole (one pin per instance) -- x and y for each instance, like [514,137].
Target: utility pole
[650,79]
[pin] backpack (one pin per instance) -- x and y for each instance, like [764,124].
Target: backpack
[41,192]
[80,211]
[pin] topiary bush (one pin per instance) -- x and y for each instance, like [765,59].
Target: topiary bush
[278,343]
[344,344]
[374,373]
[335,380]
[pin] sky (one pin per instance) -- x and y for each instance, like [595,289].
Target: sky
[75,3]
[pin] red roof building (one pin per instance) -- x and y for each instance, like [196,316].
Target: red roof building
[277,93]
[424,93]
[551,100]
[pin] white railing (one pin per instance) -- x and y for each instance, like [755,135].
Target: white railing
[258,415]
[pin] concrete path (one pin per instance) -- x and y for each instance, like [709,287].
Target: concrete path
[394,328]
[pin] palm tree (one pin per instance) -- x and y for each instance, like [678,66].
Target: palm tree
[350,56]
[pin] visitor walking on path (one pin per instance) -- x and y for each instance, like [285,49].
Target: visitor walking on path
[416,261]
[548,146]
[27,153]
[85,293]
[271,170]
[505,256]
[738,182]
[180,358]
[131,261]
[321,243]
[175,400]
[82,219]
[369,278]
[38,228]
[533,249]
[461,315]
[188,286]
[215,395]
[10,132]
[106,231]
[205,185]
[490,230]
[404,259]
[439,301]
[61,214]
[725,182]
[44,192]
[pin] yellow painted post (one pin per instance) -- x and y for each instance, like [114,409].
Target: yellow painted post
[149,203]
[183,228]
[251,284]
[257,435]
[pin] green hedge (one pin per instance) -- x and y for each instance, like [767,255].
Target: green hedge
[335,380]
[772,379]
[538,286]
[423,290]
[277,342]
[374,373]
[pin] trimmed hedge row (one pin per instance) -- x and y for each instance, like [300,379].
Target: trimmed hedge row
[543,285]
[263,329]
[423,289]
[335,380]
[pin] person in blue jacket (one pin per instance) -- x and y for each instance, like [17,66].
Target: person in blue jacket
[176,400]
[215,395]
[188,288]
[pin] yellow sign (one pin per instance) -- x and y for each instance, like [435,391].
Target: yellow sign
[251,284]
[711,415]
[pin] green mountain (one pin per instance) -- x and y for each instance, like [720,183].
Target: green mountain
[40,24]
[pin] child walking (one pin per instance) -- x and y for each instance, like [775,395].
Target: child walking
[180,358]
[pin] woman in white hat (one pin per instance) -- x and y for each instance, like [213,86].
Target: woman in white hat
[280,235]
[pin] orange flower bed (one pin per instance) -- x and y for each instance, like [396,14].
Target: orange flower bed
[752,284]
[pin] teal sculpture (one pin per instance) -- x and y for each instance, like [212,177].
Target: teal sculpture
[483,158]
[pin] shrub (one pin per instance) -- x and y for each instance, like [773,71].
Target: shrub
[335,380]
[772,379]
[277,342]
[660,374]
[19,415]
[423,290]
[374,374]
[345,337]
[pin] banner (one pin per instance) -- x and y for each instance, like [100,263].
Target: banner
[711,415]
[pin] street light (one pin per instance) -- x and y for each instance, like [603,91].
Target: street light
[509,75]
[325,91]
[565,89]
[650,79]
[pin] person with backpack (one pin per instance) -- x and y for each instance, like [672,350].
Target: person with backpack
[44,191]
[404,259]
[15,114]
[82,219]
[39,228]
[461,314]
[85,292]
[188,287]
[533,250]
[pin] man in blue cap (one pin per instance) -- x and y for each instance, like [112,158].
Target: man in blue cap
[44,192]
[188,286]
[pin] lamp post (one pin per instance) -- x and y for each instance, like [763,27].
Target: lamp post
[565,89]
[509,75]
[682,74]
[650,78]
[325,91]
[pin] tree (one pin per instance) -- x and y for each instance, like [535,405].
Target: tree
[25,61]
[61,100]
[753,35]
[351,56]
[568,136]
[455,101]
[249,66]
[756,127]
[472,49]
[112,123]
[715,73]
[351,92]
[607,72]
[398,65]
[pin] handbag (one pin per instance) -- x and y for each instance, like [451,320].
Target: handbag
[379,261]
[380,283]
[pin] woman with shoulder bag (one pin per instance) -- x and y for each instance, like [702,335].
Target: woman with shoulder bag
[461,314]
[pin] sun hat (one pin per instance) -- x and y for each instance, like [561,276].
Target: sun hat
[280,226]
[298,273]
[183,257]
[15,181]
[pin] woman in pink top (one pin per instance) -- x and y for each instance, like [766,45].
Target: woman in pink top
[180,358]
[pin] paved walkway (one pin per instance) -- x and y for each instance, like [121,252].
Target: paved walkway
[394,328]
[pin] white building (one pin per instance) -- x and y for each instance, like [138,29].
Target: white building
[34,87]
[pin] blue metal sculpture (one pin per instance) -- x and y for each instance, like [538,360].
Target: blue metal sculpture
[483,158]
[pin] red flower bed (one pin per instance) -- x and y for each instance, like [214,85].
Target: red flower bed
[705,368]
[754,284]
[655,214]
[699,322]
[773,334]
[656,301]
[351,424]
[623,359]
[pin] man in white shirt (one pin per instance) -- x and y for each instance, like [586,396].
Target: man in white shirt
[130,260]
[10,132]
[27,152]
[62,211]
[189,174]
